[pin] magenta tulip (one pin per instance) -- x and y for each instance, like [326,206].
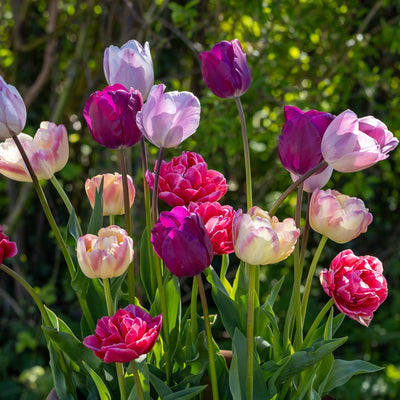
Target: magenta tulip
[181,240]
[187,179]
[111,116]
[7,249]
[356,285]
[225,69]
[125,336]
[352,144]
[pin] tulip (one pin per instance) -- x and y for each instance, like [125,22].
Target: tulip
[339,217]
[125,336]
[47,151]
[113,196]
[300,141]
[131,66]
[12,111]
[317,180]
[7,249]
[225,69]
[351,144]
[106,255]
[167,119]
[218,222]
[111,116]
[181,240]
[187,179]
[356,285]
[259,239]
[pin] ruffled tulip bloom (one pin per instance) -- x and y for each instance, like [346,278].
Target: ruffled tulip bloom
[218,222]
[356,285]
[259,239]
[7,249]
[47,152]
[225,70]
[352,144]
[315,181]
[167,119]
[12,111]
[113,194]
[181,240]
[187,179]
[106,255]
[111,116]
[125,336]
[300,141]
[131,66]
[339,217]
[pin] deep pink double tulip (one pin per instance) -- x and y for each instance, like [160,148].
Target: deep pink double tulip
[352,144]
[111,116]
[218,222]
[125,336]
[356,284]
[225,69]
[300,141]
[187,179]
[181,240]
[7,249]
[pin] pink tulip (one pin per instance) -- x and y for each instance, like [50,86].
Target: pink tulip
[167,119]
[259,239]
[218,222]
[339,217]
[187,179]
[351,144]
[47,151]
[131,66]
[113,196]
[7,249]
[125,336]
[356,284]
[106,255]
[12,111]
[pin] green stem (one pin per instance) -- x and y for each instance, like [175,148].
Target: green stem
[211,365]
[250,332]
[138,383]
[316,322]
[128,225]
[246,153]
[294,185]
[121,381]
[310,275]
[193,311]
[111,219]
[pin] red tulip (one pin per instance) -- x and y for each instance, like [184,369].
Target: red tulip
[7,249]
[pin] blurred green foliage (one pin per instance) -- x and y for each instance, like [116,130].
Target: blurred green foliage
[327,55]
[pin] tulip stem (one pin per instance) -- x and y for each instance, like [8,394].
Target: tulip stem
[108,296]
[294,185]
[128,225]
[310,275]
[155,185]
[121,381]
[250,332]
[211,370]
[193,311]
[138,383]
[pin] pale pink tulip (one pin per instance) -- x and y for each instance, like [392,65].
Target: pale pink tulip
[47,151]
[113,194]
[259,239]
[318,180]
[106,255]
[339,217]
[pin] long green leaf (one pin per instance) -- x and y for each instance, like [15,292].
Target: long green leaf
[101,387]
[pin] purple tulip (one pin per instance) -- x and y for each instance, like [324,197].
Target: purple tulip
[300,141]
[352,144]
[225,69]
[167,119]
[111,116]
[181,240]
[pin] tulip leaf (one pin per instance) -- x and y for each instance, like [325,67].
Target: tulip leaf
[185,394]
[147,269]
[96,219]
[160,387]
[343,370]
[101,387]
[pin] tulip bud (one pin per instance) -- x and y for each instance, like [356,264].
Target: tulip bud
[131,66]
[106,255]
[339,217]
[113,194]
[12,111]
[259,239]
